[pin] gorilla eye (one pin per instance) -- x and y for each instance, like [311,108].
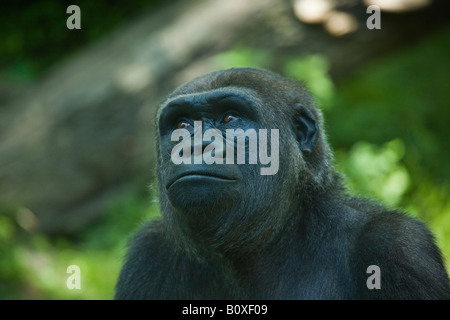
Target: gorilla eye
[230,117]
[183,124]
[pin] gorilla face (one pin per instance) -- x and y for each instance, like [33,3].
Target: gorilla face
[208,195]
[225,156]
[192,184]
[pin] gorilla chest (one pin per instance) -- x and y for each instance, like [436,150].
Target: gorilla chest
[309,280]
[303,270]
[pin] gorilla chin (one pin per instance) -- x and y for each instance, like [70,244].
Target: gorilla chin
[193,186]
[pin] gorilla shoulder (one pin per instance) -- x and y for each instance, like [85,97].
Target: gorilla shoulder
[144,258]
[405,251]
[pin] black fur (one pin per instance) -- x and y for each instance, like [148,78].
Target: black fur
[292,235]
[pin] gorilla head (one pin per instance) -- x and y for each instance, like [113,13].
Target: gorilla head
[233,206]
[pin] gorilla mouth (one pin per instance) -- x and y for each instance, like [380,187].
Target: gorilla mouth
[201,175]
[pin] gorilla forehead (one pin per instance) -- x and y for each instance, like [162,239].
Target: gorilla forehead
[266,84]
[244,96]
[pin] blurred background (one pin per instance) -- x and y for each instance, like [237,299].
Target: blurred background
[77,107]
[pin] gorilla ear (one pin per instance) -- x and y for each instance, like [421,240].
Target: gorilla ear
[305,128]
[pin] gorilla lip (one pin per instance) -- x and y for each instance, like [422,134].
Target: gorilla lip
[201,175]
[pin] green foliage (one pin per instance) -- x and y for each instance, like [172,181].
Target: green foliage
[34,34]
[35,267]
[404,96]
[241,57]
[313,70]
[376,171]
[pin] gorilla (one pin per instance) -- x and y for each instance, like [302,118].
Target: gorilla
[228,231]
